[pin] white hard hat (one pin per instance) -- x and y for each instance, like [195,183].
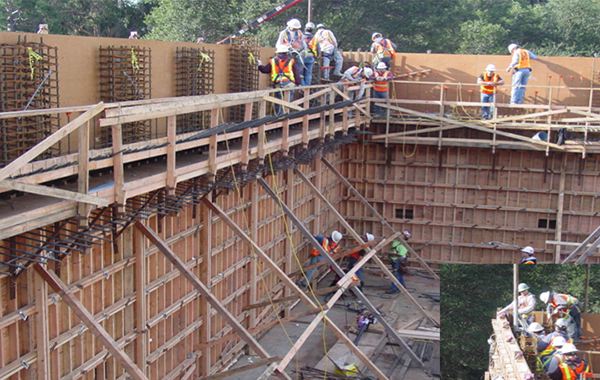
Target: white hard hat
[529,249]
[368,71]
[381,65]
[523,286]
[320,26]
[406,234]
[336,236]
[281,49]
[490,67]
[309,26]
[511,47]
[535,327]
[544,297]
[294,23]
[376,35]
[568,348]
[559,341]
[369,237]
[561,323]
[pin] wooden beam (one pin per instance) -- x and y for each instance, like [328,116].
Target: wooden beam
[289,298]
[283,103]
[52,192]
[41,327]
[83,173]
[118,169]
[199,286]
[205,276]
[288,282]
[339,271]
[45,144]
[244,368]
[379,216]
[171,154]
[586,242]
[525,117]
[88,320]
[334,88]
[141,304]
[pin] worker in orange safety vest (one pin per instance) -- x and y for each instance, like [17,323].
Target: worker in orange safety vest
[572,367]
[488,80]
[520,63]
[381,79]
[331,245]
[567,307]
[284,74]
[384,50]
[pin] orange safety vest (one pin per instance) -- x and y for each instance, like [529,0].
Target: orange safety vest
[490,89]
[384,48]
[313,47]
[380,85]
[355,73]
[551,350]
[324,244]
[524,61]
[282,71]
[570,300]
[570,372]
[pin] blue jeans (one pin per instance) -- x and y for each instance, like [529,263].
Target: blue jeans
[309,273]
[380,95]
[519,81]
[280,95]
[486,112]
[307,70]
[351,263]
[397,274]
[339,61]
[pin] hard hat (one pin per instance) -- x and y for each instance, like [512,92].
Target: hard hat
[369,237]
[381,65]
[320,26]
[490,67]
[281,49]
[568,348]
[528,249]
[535,327]
[336,236]
[376,35]
[544,297]
[406,234]
[294,23]
[561,323]
[511,47]
[368,71]
[559,341]
[309,26]
[523,286]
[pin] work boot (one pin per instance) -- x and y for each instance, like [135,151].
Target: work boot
[362,283]
[391,291]
[338,74]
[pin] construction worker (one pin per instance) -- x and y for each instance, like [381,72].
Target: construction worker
[488,81]
[535,329]
[566,306]
[398,256]
[560,330]
[381,78]
[356,74]
[528,257]
[526,304]
[42,29]
[356,256]
[384,50]
[284,74]
[521,65]
[312,52]
[572,366]
[328,47]
[550,363]
[293,38]
[331,245]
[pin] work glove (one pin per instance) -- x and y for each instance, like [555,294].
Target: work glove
[259,62]
[508,69]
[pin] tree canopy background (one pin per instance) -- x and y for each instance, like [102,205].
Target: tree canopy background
[547,27]
[471,294]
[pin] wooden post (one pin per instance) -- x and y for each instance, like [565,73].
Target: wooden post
[171,154]
[89,321]
[83,175]
[560,207]
[206,244]
[41,327]
[141,311]
[118,170]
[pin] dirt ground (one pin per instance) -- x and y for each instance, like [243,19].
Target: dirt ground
[396,308]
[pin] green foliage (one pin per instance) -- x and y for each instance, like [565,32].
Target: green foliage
[471,294]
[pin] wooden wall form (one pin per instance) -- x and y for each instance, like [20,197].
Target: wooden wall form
[461,200]
[110,282]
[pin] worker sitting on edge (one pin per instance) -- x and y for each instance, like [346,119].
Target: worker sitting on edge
[284,74]
[528,257]
[398,257]
[572,366]
[330,246]
[566,306]
[526,304]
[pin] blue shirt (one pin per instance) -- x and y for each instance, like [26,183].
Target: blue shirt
[515,58]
